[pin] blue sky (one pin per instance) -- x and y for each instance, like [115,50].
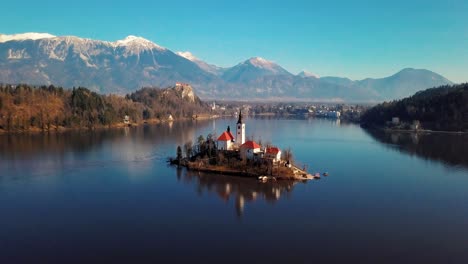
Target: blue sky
[355,39]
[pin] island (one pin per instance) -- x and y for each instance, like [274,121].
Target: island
[237,156]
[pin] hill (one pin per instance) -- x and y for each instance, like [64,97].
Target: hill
[404,83]
[444,108]
[28,108]
[179,101]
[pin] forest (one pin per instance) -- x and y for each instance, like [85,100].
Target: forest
[44,108]
[444,108]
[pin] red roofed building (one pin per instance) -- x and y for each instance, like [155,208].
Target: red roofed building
[273,153]
[249,148]
[250,145]
[225,141]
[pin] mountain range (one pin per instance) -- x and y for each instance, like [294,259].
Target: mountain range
[126,65]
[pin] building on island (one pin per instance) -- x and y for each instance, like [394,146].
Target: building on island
[226,140]
[250,149]
[247,149]
[273,153]
[231,155]
[240,131]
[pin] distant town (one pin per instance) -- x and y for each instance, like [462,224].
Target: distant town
[345,112]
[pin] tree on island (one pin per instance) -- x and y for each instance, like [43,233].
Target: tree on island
[200,142]
[179,153]
[188,149]
[288,155]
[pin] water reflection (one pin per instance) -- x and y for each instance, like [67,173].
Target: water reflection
[57,153]
[239,190]
[450,149]
[81,141]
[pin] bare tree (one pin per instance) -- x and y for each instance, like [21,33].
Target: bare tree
[179,153]
[188,149]
[287,155]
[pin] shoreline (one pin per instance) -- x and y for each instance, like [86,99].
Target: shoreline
[414,131]
[423,131]
[292,173]
[60,129]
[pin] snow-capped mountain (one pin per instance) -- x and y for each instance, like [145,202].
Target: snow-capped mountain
[203,65]
[306,74]
[25,36]
[135,45]
[133,62]
[111,67]
[266,65]
[252,69]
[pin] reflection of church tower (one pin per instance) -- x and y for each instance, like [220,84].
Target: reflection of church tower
[240,135]
[239,204]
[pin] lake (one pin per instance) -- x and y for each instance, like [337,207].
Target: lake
[109,196]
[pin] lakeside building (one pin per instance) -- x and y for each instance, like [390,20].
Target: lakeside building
[329,114]
[416,125]
[250,150]
[126,120]
[273,153]
[226,140]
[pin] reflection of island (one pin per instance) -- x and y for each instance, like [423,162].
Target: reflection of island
[451,149]
[239,189]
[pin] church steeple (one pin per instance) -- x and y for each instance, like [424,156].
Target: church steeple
[240,131]
[240,117]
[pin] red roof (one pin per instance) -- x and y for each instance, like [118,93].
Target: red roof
[272,150]
[226,136]
[250,145]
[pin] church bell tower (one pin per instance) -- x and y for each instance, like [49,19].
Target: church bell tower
[240,130]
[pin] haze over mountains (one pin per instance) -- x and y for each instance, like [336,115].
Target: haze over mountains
[134,62]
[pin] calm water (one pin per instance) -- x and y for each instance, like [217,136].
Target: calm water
[109,196]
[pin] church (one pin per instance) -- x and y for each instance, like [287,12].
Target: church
[227,141]
[250,149]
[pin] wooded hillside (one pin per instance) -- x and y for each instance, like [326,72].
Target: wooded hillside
[443,108]
[26,108]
